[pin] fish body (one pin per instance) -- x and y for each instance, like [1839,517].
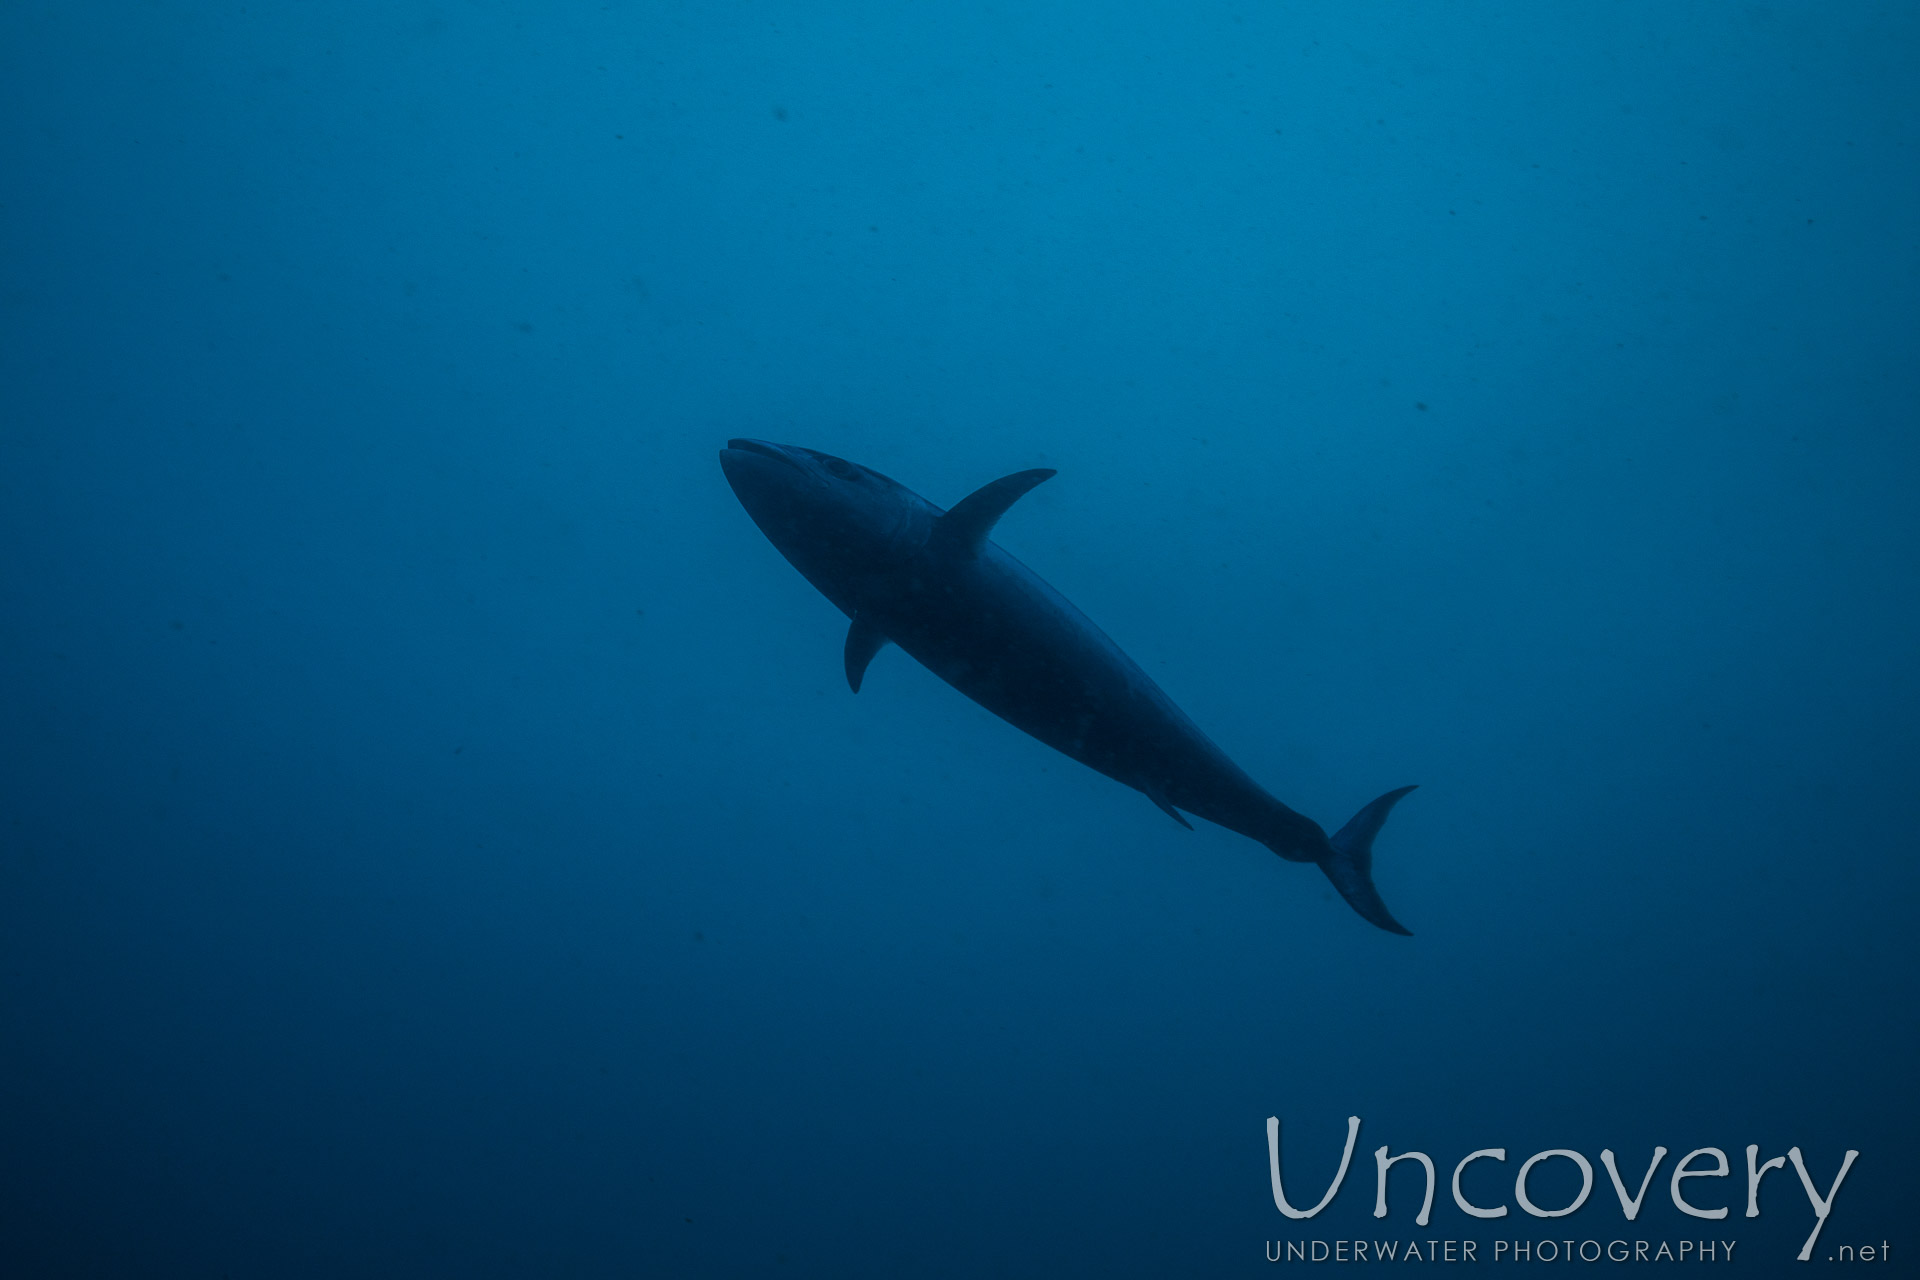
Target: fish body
[933,583]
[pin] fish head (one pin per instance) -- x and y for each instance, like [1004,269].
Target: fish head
[835,520]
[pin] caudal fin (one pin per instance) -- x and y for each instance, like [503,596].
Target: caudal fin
[1350,865]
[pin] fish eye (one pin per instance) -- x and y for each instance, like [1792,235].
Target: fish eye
[845,470]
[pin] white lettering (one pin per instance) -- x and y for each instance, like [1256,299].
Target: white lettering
[1380,1201]
[1755,1173]
[1586,1183]
[1273,1167]
[1820,1207]
[1720,1170]
[1459,1198]
[1631,1207]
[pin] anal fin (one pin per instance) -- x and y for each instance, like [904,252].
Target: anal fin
[863,641]
[1159,797]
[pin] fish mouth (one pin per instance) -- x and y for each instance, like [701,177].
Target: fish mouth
[764,448]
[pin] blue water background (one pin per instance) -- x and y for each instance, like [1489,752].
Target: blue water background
[437,838]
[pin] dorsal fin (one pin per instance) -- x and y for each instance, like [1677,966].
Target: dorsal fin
[968,521]
[863,641]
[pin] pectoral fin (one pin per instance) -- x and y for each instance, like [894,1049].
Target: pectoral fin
[966,524]
[863,641]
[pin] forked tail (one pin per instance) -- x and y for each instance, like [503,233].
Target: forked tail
[1350,865]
